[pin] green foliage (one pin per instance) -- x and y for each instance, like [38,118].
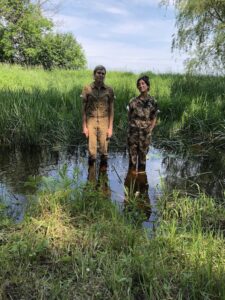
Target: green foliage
[22,26]
[61,51]
[41,107]
[76,244]
[201,29]
[26,38]
[192,109]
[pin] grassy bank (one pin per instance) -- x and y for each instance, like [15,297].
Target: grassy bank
[41,107]
[75,244]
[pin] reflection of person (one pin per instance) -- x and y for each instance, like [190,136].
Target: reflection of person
[137,190]
[100,181]
[142,112]
[98,114]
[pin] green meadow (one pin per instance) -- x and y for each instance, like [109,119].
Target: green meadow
[40,107]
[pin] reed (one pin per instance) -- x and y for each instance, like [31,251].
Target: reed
[39,107]
[192,109]
[44,107]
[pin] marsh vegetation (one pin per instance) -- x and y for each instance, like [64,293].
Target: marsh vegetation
[75,243]
[40,107]
[71,241]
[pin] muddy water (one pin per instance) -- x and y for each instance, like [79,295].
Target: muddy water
[192,173]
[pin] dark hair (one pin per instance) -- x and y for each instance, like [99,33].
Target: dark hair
[145,78]
[99,67]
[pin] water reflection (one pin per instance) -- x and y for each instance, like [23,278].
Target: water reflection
[98,177]
[16,165]
[190,173]
[137,193]
[204,172]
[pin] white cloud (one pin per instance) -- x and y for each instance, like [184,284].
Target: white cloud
[99,6]
[149,2]
[156,30]
[129,43]
[69,23]
[128,28]
[120,56]
[146,2]
[111,9]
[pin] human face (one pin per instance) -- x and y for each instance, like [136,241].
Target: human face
[99,76]
[142,86]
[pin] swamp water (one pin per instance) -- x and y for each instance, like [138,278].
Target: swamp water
[189,173]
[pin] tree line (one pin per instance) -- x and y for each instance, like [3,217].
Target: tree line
[27,38]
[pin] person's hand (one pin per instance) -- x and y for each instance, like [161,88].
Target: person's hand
[85,132]
[109,133]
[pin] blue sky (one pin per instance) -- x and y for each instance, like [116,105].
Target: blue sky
[128,35]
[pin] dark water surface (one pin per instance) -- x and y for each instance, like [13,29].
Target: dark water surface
[190,173]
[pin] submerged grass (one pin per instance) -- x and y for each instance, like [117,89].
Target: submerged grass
[75,244]
[44,107]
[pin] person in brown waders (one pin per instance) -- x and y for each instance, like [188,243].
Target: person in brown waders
[98,115]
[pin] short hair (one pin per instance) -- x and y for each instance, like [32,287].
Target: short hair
[145,78]
[99,67]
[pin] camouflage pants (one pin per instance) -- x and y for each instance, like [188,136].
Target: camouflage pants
[139,140]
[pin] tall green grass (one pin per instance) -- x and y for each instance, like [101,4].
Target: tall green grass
[44,107]
[75,244]
[193,107]
[39,107]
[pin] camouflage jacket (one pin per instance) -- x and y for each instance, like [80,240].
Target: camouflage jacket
[142,112]
[97,100]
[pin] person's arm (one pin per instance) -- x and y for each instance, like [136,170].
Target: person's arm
[153,123]
[111,118]
[84,115]
[154,116]
[84,122]
[130,111]
[111,115]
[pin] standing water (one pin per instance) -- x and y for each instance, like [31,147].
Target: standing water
[191,173]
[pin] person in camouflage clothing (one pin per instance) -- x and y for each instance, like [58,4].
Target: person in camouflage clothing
[98,114]
[142,112]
